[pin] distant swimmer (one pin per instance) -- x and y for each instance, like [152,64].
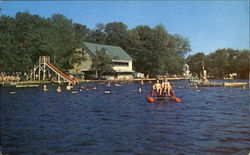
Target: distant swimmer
[117,85]
[45,88]
[142,83]
[81,88]
[109,84]
[68,87]
[58,89]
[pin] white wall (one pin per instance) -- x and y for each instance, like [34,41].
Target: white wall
[123,68]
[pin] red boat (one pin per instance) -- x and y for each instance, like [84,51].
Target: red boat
[151,97]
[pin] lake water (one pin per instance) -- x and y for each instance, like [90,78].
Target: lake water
[208,121]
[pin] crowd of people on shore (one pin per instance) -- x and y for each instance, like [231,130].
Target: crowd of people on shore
[10,78]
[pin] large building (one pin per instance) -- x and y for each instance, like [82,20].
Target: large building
[122,62]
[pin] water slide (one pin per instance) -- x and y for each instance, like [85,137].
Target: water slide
[56,70]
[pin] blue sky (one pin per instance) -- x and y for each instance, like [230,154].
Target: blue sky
[208,25]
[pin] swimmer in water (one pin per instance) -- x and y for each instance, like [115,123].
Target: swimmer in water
[45,88]
[58,89]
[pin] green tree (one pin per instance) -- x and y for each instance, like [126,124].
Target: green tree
[175,65]
[116,33]
[194,63]
[98,35]
[242,64]
[179,46]
[25,37]
[101,63]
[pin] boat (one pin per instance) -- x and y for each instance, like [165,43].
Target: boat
[152,99]
[234,84]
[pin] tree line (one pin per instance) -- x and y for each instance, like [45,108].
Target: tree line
[221,63]
[25,37]
[155,51]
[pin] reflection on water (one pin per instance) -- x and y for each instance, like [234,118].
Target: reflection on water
[212,121]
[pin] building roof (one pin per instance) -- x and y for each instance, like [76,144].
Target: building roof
[116,52]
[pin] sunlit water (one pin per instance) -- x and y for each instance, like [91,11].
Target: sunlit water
[208,121]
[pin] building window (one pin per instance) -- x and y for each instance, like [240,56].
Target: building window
[120,63]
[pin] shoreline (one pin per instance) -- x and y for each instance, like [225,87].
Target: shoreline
[82,81]
[32,82]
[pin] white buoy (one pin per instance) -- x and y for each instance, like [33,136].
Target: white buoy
[244,87]
[139,90]
[107,92]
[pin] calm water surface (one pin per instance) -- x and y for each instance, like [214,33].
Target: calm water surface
[208,121]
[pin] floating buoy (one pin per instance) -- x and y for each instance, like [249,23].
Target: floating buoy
[176,99]
[139,90]
[107,92]
[150,99]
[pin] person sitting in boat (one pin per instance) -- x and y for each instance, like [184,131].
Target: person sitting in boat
[167,87]
[157,87]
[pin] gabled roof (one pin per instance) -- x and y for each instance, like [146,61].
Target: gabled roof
[115,52]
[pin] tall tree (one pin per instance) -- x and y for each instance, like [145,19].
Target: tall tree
[26,37]
[194,63]
[101,63]
[98,35]
[243,63]
[116,33]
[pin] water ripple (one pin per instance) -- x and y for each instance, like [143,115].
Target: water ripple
[210,121]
